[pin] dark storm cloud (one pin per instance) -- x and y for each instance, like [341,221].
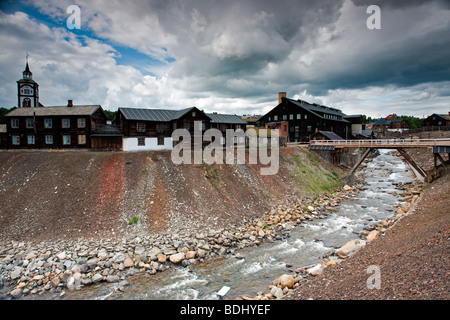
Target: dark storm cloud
[400,3]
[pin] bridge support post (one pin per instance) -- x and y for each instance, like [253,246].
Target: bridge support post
[360,161]
[405,155]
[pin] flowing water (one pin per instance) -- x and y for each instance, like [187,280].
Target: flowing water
[306,244]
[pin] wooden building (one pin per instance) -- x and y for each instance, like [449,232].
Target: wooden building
[107,138]
[58,127]
[151,129]
[395,125]
[437,120]
[228,121]
[304,119]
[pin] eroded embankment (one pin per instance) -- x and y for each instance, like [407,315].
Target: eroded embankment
[70,195]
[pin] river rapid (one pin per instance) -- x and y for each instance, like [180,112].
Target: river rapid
[305,246]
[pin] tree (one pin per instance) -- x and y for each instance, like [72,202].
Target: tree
[110,114]
[4,111]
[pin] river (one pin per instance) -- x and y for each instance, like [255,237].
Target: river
[306,244]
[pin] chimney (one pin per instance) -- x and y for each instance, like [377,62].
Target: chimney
[280,96]
[70,103]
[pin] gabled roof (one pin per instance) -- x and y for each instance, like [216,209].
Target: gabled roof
[85,110]
[317,110]
[330,135]
[226,118]
[383,122]
[158,115]
[443,116]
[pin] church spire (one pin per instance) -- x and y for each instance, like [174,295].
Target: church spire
[27,74]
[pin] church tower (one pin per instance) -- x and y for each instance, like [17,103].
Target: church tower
[27,90]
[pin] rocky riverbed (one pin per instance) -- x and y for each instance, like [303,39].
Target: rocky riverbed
[37,268]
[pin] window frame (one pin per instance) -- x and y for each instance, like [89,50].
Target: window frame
[47,136]
[45,123]
[62,123]
[33,142]
[140,126]
[15,123]
[17,141]
[84,123]
[140,141]
[63,140]
[27,123]
[83,139]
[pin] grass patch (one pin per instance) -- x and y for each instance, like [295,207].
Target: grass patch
[312,178]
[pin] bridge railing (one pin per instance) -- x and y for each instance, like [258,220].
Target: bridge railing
[380,143]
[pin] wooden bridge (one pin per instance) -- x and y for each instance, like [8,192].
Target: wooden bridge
[436,145]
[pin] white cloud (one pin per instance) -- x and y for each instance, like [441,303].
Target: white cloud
[231,56]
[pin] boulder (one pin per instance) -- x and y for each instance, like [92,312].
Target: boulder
[177,258]
[128,263]
[347,188]
[112,278]
[119,257]
[372,235]
[190,254]
[277,292]
[350,248]
[16,293]
[97,278]
[316,270]
[161,258]
[286,281]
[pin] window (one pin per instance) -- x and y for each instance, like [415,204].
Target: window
[187,124]
[306,116]
[141,141]
[299,116]
[160,141]
[160,127]
[308,128]
[29,123]
[66,139]
[291,117]
[31,139]
[284,116]
[14,123]
[193,114]
[270,119]
[26,103]
[81,122]
[16,140]
[275,118]
[141,127]
[81,139]
[48,123]
[66,123]
[48,139]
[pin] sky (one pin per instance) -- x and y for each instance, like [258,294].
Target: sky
[231,56]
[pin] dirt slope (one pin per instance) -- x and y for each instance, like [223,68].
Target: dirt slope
[57,195]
